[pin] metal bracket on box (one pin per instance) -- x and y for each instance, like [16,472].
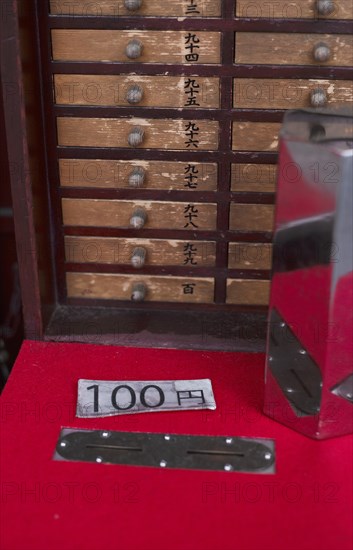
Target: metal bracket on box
[345,388]
[231,454]
[296,372]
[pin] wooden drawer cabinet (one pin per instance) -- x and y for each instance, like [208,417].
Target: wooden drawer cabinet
[130,46]
[151,8]
[148,132]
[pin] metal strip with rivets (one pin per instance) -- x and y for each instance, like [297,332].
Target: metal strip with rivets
[97,398]
[159,450]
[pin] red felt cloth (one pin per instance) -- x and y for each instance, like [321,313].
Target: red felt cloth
[52,505]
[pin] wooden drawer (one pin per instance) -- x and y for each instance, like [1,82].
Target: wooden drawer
[158,289]
[256,178]
[159,215]
[264,48]
[299,9]
[182,176]
[168,47]
[266,93]
[107,250]
[138,133]
[251,217]
[138,91]
[248,292]
[250,256]
[154,8]
[255,136]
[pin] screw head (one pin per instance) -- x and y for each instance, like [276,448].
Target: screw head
[228,467]
[99,459]
[229,440]
[163,463]
[105,434]
[167,437]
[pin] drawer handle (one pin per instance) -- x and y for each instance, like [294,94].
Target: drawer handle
[325,7]
[136,136]
[318,97]
[137,177]
[139,291]
[132,5]
[321,52]
[134,49]
[138,257]
[134,94]
[138,218]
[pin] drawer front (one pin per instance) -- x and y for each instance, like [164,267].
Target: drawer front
[136,46]
[299,9]
[154,8]
[158,252]
[256,178]
[188,176]
[248,292]
[250,256]
[157,289]
[251,217]
[138,91]
[255,136]
[158,215]
[265,48]
[138,133]
[266,93]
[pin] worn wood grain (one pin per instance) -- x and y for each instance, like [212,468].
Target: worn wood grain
[257,178]
[160,215]
[158,134]
[297,9]
[251,217]
[155,8]
[278,93]
[277,48]
[255,136]
[119,287]
[110,250]
[250,256]
[158,91]
[181,176]
[248,292]
[158,46]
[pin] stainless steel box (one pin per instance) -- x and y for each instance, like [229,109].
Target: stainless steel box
[309,371]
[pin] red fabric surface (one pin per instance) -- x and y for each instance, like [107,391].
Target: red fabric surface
[50,505]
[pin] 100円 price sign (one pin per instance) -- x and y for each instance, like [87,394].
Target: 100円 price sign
[98,398]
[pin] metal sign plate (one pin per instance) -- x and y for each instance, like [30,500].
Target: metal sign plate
[230,454]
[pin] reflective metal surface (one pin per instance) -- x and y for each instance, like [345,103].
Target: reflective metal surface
[311,304]
[229,454]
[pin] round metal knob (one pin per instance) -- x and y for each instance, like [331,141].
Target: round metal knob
[321,52]
[137,177]
[139,291]
[132,5]
[138,257]
[318,97]
[134,49]
[138,218]
[136,136]
[325,7]
[134,94]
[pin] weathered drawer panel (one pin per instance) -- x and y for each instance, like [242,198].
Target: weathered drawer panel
[154,8]
[250,256]
[251,217]
[121,287]
[188,176]
[159,215]
[253,93]
[255,136]
[167,47]
[265,48]
[138,133]
[248,292]
[256,178]
[299,9]
[107,250]
[138,91]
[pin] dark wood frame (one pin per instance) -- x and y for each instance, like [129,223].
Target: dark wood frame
[48,314]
